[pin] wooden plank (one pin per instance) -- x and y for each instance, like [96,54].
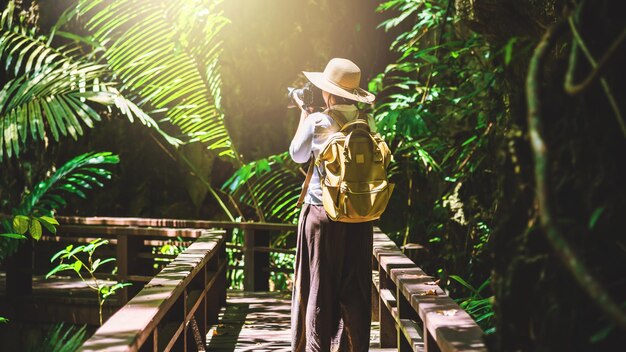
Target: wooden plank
[450,326]
[387,314]
[275,250]
[388,299]
[132,325]
[196,298]
[271,269]
[174,223]
[393,260]
[411,332]
[102,230]
[260,321]
[263,249]
[443,320]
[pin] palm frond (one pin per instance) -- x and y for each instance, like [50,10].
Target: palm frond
[167,52]
[76,176]
[51,92]
[275,181]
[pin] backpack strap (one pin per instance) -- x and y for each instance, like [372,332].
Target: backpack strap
[307,180]
[341,121]
[337,116]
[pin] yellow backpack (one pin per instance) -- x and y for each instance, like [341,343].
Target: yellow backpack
[353,172]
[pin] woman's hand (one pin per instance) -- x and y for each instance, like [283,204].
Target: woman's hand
[299,102]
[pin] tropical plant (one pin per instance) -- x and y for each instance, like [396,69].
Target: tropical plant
[37,207]
[32,225]
[274,182]
[436,107]
[69,260]
[476,304]
[166,53]
[52,90]
[61,338]
[235,261]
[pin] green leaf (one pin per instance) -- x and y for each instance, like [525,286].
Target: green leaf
[35,230]
[13,235]
[111,290]
[602,334]
[49,220]
[98,263]
[76,250]
[595,216]
[48,225]
[464,283]
[62,253]
[58,268]
[508,50]
[469,140]
[77,266]
[20,224]
[184,82]
[55,83]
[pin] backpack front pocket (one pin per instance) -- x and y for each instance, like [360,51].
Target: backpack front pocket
[364,201]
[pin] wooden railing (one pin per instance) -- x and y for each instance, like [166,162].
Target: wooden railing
[174,310]
[415,314]
[130,232]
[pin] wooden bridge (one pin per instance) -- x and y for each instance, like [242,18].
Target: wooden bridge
[187,306]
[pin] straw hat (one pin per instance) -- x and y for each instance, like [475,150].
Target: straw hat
[341,77]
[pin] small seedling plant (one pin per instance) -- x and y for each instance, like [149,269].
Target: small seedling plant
[86,268]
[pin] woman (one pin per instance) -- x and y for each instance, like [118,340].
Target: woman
[331,303]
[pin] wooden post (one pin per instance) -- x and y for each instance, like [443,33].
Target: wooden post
[255,273]
[375,295]
[122,265]
[224,285]
[19,279]
[248,260]
[126,263]
[405,311]
[262,261]
[388,330]
[430,345]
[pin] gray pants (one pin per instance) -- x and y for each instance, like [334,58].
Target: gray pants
[331,302]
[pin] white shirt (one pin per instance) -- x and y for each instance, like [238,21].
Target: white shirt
[312,138]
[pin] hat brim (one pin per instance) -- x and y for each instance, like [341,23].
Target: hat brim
[357,94]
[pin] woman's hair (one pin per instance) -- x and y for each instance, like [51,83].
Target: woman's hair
[341,100]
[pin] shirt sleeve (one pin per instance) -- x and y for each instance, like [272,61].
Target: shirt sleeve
[300,147]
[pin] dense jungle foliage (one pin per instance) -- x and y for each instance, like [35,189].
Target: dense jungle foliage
[507,172]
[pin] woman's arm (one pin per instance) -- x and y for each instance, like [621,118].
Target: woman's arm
[300,148]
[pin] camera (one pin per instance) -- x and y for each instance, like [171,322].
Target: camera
[311,96]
